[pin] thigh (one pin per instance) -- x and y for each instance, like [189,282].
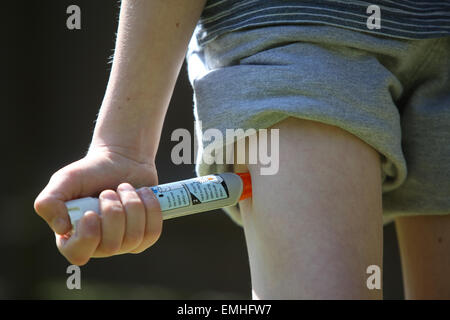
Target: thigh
[424,243]
[314,227]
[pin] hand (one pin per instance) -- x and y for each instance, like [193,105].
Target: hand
[130,220]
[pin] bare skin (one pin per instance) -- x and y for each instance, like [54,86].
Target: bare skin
[313,228]
[151,44]
[425,252]
[313,237]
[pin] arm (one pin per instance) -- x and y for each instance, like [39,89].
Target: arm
[151,45]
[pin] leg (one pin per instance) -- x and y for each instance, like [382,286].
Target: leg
[313,228]
[425,252]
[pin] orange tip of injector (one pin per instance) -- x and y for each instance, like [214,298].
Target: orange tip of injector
[247,185]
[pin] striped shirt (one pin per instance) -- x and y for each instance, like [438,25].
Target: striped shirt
[407,19]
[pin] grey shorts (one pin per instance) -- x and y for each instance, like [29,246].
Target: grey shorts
[393,94]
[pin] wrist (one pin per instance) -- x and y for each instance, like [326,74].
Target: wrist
[137,145]
[128,152]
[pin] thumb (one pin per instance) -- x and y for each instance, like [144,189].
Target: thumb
[50,203]
[66,184]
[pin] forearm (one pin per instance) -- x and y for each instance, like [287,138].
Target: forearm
[151,44]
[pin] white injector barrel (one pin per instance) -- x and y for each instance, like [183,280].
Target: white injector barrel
[184,197]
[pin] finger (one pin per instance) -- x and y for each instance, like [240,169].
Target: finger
[135,217]
[113,224]
[78,248]
[153,224]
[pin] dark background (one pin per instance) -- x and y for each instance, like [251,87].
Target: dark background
[53,80]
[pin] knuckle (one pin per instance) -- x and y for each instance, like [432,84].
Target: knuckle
[41,205]
[133,240]
[151,205]
[152,236]
[134,205]
[113,210]
[125,186]
[108,194]
[56,175]
[109,248]
[64,173]
[109,203]
[69,173]
[45,207]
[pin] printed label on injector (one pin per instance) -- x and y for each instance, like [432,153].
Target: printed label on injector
[207,188]
[198,190]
